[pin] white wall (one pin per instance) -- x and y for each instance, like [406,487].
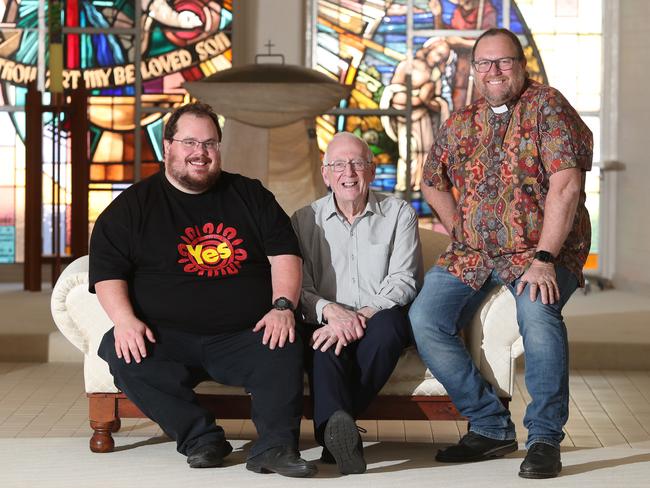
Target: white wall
[632,269]
[256,22]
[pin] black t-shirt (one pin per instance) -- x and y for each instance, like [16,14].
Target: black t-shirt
[193,262]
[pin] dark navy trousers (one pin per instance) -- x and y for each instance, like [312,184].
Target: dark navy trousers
[351,380]
[162,384]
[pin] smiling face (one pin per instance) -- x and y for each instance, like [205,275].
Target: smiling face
[499,87]
[350,186]
[192,170]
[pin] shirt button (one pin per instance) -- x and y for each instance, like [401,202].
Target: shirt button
[352,257]
[354,280]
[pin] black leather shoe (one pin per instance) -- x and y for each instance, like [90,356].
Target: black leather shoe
[209,455]
[475,447]
[282,460]
[343,441]
[541,461]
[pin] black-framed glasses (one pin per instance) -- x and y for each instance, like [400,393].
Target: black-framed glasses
[339,165]
[193,144]
[502,64]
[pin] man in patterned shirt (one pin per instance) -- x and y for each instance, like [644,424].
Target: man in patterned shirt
[517,158]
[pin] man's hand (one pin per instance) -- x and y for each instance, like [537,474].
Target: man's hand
[367,312]
[325,337]
[129,339]
[345,323]
[540,277]
[278,325]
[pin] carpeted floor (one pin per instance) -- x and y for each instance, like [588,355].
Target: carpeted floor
[141,462]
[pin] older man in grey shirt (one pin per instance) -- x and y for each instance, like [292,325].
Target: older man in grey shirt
[362,266]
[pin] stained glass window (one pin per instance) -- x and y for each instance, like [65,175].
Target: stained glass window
[105,42]
[364,43]
[568,34]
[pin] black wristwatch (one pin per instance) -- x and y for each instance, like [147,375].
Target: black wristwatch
[544,257]
[283,303]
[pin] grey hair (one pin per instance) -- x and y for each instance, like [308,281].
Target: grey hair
[349,135]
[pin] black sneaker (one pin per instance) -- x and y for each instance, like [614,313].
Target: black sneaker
[326,457]
[475,447]
[343,442]
[282,460]
[541,461]
[209,455]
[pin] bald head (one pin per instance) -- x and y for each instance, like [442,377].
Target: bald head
[348,170]
[348,140]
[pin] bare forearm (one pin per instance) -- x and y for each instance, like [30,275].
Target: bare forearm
[129,332]
[443,203]
[113,296]
[560,209]
[286,276]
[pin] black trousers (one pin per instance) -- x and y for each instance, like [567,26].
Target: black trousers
[162,384]
[351,380]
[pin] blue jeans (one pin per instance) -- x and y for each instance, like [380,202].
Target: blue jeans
[445,305]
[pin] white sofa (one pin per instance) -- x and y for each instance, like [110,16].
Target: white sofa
[411,393]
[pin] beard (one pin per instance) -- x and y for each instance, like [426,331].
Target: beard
[509,92]
[193,182]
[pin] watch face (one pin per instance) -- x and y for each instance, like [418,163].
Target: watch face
[283,304]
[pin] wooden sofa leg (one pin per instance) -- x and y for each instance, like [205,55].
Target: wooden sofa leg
[102,440]
[103,420]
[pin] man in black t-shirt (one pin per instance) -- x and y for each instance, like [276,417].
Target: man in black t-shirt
[199,271]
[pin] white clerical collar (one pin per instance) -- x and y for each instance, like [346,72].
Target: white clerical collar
[501,109]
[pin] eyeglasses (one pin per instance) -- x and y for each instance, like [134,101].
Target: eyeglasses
[339,165]
[193,144]
[502,64]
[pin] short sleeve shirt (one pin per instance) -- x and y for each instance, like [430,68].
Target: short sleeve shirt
[198,263]
[500,165]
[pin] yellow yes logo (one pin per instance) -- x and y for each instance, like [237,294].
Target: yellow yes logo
[209,255]
[211,250]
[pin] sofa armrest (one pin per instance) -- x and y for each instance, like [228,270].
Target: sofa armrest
[493,340]
[74,277]
[82,320]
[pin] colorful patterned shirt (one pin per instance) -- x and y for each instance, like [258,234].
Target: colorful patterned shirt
[500,165]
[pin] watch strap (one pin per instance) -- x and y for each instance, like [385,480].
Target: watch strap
[544,257]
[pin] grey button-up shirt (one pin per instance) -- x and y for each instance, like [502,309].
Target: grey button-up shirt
[376,261]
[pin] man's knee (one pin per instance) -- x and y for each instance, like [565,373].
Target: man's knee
[117,366]
[389,327]
[536,312]
[329,357]
[106,350]
[290,355]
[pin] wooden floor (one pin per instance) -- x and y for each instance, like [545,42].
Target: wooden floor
[607,408]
